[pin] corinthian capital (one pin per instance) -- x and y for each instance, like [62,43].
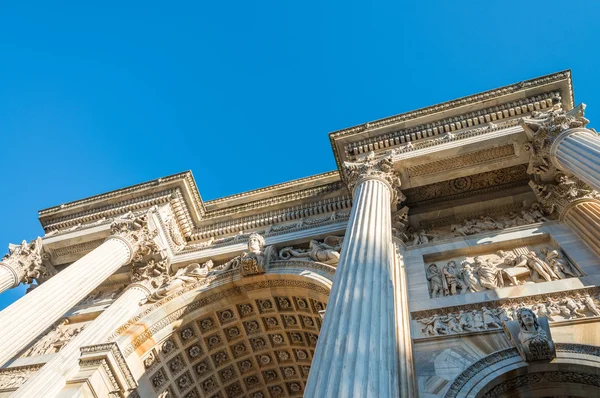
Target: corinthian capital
[557,197]
[136,231]
[543,128]
[25,261]
[372,167]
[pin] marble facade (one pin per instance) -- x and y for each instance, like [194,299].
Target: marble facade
[454,253]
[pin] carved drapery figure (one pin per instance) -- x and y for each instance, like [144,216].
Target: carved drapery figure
[258,257]
[184,276]
[453,279]
[558,263]
[434,276]
[26,262]
[433,326]
[490,276]
[470,279]
[531,335]
[327,252]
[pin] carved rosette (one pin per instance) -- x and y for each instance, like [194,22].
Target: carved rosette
[565,192]
[26,262]
[372,167]
[544,128]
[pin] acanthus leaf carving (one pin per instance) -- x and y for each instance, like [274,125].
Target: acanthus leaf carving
[543,128]
[371,166]
[556,197]
[27,261]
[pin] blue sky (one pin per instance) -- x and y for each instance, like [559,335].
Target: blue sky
[98,97]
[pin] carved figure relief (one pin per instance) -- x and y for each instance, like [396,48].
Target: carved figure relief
[556,307]
[504,268]
[327,252]
[472,226]
[54,340]
[531,335]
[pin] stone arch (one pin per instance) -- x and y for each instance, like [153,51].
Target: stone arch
[574,373]
[233,336]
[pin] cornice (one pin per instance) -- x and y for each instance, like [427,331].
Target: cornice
[450,122]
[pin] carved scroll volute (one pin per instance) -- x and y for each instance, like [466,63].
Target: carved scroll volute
[141,235]
[531,335]
[374,167]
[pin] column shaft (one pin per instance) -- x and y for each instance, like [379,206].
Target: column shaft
[584,219]
[578,151]
[51,378]
[356,355]
[7,278]
[25,319]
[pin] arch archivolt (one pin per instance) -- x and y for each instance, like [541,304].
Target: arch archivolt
[231,336]
[504,374]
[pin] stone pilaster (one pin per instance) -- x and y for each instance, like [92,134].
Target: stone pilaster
[25,319]
[356,355]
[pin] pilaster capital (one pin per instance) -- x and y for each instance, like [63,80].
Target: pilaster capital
[26,262]
[560,196]
[543,128]
[372,167]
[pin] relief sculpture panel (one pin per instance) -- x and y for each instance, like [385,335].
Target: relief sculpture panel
[507,267]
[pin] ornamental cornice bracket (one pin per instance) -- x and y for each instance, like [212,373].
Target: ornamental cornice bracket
[374,167]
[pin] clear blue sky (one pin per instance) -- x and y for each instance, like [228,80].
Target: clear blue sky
[98,97]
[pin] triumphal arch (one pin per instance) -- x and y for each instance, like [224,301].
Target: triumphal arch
[455,252]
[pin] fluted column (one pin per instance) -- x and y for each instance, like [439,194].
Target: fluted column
[583,216]
[578,152]
[8,278]
[356,355]
[51,378]
[22,321]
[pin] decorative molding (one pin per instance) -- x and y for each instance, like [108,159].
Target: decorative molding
[76,248]
[488,361]
[446,106]
[113,348]
[457,162]
[558,307]
[14,377]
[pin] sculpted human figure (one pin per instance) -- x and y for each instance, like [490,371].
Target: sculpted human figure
[453,281]
[589,303]
[454,323]
[465,320]
[533,339]
[540,267]
[470,279]
[517,263]
[434,326]
[184,276]
[327,252]
[559,264]
[574,307]
[478,322]
[434,276]
[489,319]
[490,276]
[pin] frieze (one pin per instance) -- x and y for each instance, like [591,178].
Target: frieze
[510,216]
[470,184]
[488,316]
[14,377]
[76,248]
[53,341]
[457,162]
